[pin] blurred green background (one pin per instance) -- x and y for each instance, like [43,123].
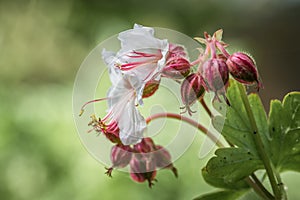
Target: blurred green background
[42,44]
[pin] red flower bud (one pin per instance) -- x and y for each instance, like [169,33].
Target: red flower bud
[142,168]
[215,74]
[191,90]
[120,157]
[242,68]
[150,88]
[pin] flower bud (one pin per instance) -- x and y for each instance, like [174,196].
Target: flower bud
[163,159]
[215,74]
[177,64]
[191,90]
[242,68]
[145,146]
[142,168]
[150,88]
[176,50]
[120,157]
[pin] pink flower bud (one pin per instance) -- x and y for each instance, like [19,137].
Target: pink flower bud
[150,88]
[142,168]
[242,68]
[145,146]
[176,50]
[120,157]
[163,159]
[191,90]
[177,64]
[215,74]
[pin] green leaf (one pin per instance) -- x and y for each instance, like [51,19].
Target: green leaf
[280,136]
[220,183]
[232,164]
[284,127]
[222,195]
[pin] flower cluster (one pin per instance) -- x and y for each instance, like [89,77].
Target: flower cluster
[135,72]
[213,69]
[143,158]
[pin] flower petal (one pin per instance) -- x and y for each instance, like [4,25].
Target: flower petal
[132,124]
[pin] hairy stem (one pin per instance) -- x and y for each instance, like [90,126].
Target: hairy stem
[187,120]
[259,144]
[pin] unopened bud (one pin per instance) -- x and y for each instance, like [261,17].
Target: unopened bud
[163,159]
[215,74]
[145,146]
[150,88]
[142,168]
[177,64]
[242,68]
[120,157]
[191,90]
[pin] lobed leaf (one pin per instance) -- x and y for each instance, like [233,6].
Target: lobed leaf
[284,127]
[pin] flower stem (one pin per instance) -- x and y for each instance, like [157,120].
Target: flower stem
[258,142]
[206,108]
[187,120]
[260,191]
[261,188]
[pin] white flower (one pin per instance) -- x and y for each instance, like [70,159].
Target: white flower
[122,102]
[140,59]
[142,54]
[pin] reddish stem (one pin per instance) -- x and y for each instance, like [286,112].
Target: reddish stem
[187,120]
[222,49]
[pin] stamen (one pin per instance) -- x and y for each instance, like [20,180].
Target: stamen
[92,101]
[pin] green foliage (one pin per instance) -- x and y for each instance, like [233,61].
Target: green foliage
[284,126]
[221,195]
[280,136]
[220,182]
[233,164]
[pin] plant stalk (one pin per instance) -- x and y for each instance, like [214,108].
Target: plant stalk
[259,144]
[189,121]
